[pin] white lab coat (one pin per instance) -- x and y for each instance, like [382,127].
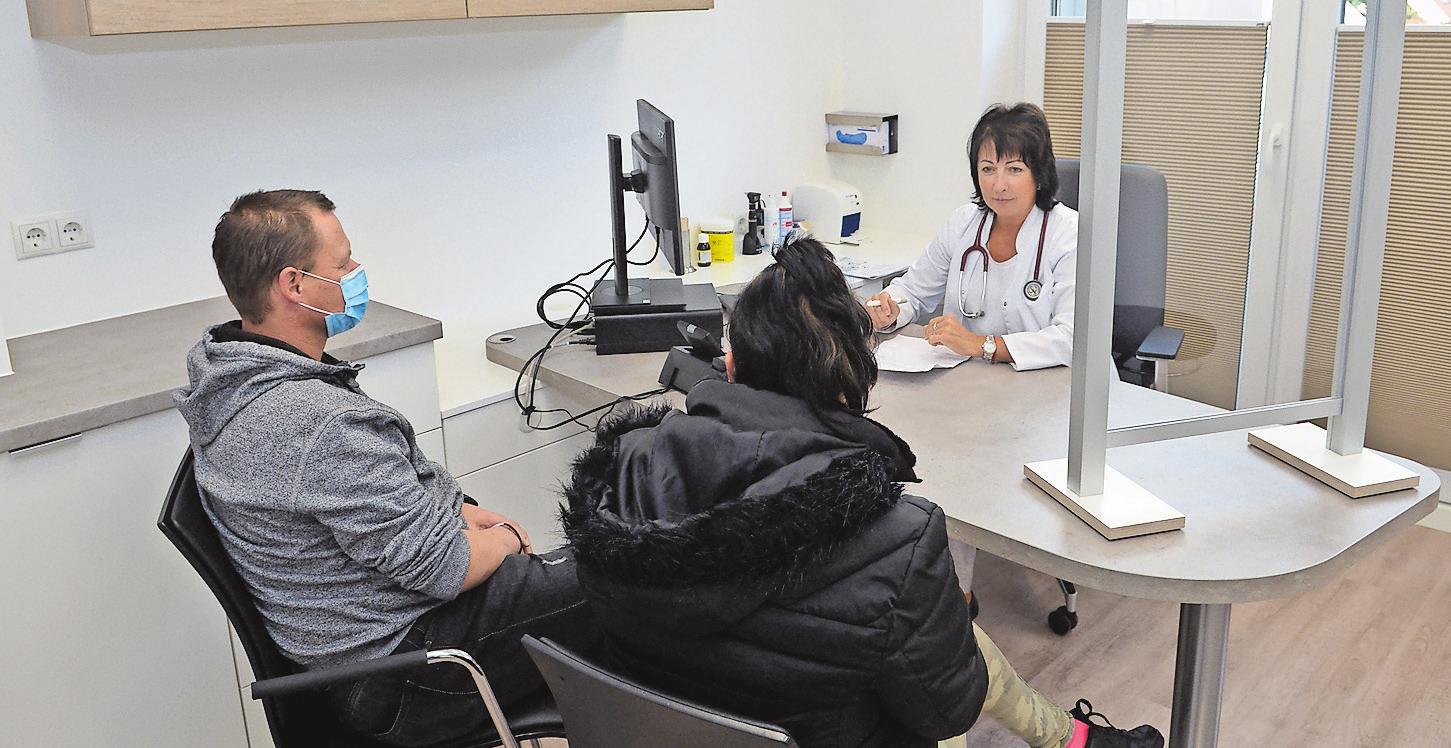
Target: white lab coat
[1039,333]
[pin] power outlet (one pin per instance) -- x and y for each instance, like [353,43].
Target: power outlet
[48,235]
[73,230]
[33,237]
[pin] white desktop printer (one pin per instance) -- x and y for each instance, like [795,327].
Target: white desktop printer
[834,209]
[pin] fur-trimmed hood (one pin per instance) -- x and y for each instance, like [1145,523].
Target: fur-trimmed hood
[706,513]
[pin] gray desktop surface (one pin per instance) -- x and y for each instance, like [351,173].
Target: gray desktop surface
[1256,529]
[92,375]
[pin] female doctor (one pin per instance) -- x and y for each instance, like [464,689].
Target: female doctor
[1002,267]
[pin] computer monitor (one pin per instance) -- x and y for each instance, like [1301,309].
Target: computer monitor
[654,146]
[654,179]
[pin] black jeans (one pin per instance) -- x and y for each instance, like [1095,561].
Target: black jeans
[536,595]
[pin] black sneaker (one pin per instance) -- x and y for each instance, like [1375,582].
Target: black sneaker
[1108,736]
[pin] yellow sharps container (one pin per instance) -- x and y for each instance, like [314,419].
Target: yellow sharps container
[722,236]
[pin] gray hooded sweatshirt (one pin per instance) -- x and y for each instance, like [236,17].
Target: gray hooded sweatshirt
[342,530]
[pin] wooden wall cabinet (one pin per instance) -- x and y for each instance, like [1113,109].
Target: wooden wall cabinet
[111,17]
[494,8]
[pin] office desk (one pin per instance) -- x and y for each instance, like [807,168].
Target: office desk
[1256,529]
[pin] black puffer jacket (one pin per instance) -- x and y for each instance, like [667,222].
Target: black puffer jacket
[758,556]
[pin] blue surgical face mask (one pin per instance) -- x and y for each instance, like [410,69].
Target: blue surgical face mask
[355,301]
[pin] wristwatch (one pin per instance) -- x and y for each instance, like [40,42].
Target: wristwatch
[989,347]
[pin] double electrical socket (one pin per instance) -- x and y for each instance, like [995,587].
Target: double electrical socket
[48,235]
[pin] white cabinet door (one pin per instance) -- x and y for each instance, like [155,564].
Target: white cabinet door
[107,635]
[407,381]
[483,436]
[431,442]
[526,488]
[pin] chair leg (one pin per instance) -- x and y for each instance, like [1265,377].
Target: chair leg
[1065,618]
[481,682]
[1161,375]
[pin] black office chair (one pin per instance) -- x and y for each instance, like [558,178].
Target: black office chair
[297,714]
[1142,344]
[603,710]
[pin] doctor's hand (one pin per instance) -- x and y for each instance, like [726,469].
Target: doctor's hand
[947,330]
[884,315]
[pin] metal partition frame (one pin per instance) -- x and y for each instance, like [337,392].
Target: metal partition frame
[1105,52]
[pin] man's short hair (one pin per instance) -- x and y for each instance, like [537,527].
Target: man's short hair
[262,233]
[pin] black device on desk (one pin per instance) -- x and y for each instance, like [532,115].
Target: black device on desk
[640,315]
[689,365]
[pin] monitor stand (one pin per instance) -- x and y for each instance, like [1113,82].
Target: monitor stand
[638,315]
[642,296]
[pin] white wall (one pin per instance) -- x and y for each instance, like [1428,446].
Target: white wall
[5,369]
[467,158]
[921,62]
[937,65]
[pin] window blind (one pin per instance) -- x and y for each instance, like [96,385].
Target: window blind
[1191,110]
[1410,393]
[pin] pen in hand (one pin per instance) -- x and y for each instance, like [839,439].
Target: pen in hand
[874,303]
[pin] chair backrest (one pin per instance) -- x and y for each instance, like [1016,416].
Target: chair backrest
[603,710]
[1143,247]
[302,719]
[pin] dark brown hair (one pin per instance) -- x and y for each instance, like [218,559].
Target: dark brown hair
[1020,131]
[797,329]
[262,233]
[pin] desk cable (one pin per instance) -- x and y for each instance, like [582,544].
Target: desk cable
[572,325]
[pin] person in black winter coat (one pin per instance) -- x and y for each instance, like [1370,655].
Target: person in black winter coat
[756,552]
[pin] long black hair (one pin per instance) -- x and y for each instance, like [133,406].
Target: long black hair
[1022,131]
[798,330]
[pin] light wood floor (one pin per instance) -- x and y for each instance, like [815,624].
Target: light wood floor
[1363,661]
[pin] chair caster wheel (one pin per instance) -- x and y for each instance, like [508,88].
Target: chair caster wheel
[1062,621]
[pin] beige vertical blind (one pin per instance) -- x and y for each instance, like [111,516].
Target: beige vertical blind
[1410,392]
[1191,110]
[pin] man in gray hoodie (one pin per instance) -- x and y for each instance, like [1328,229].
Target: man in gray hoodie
[353,544]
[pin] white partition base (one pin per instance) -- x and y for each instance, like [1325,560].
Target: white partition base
[1302,445]
[1123,510]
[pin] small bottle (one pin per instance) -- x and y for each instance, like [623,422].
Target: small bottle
[783,216]
[702,251]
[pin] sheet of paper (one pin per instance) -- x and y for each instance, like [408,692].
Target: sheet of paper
[852,266]
[904,353]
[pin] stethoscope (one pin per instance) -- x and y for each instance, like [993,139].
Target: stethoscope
[1031,290]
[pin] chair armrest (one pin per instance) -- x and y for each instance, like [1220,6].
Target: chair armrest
[1162,343]
[353,671]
